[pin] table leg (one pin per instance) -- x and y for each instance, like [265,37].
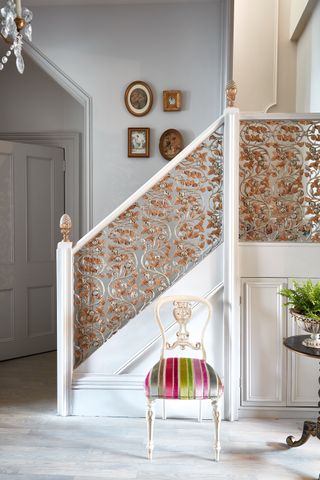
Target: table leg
[309,428]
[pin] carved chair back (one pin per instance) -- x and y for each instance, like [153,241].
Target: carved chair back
[182,313]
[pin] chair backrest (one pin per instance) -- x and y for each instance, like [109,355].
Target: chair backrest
[182,313]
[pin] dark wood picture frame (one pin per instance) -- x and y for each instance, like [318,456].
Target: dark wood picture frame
[172,100]
[138,98]
[138,142]
[171,143]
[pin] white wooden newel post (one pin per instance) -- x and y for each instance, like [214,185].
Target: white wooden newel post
[64,318]
[231,270]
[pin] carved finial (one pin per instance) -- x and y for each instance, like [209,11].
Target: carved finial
[65,227]
[231,92]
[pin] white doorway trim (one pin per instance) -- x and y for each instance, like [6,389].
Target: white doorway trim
[79,94]
[70,142]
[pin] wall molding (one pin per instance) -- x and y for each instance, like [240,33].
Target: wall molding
[297,30]
[100,381]
[81,96]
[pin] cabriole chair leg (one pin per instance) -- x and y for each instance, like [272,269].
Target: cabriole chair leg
[150,414]
[217,420]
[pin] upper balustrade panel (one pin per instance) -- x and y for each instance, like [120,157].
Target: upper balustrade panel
[280,179]
[149,246]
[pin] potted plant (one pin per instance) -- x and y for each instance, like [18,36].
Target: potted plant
[304,300]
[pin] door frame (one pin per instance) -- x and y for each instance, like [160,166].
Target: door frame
[70,142]
[86,100]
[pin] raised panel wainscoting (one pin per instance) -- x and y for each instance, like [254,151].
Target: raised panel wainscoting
[274,381]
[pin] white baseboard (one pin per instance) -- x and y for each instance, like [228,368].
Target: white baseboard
[303,413]
[123,396]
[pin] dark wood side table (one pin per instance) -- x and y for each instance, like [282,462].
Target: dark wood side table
[309,428]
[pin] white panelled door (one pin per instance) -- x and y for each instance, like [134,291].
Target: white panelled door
[273,376]
[31,203]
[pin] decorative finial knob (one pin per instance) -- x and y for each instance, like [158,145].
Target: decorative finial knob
[231,92]
[65,227]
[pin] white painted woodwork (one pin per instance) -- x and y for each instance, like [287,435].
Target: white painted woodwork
[300,11]
[231,263]
[65,324]
[303,372]
[263,356]
[32,200]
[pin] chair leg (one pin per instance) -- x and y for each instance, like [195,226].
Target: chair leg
[150,414]
[217,419]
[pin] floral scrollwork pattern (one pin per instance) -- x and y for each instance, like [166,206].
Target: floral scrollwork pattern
[165,233]
[280,180]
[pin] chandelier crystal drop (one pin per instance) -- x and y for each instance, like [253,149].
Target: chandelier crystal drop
[15,24]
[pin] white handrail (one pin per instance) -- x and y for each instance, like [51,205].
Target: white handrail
[149,184]
[278,116]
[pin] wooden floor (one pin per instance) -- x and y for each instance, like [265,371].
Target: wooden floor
[36,444]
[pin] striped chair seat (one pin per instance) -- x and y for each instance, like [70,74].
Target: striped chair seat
[184,379]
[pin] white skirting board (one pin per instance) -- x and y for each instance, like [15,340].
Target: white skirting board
[123,396]
[305,413]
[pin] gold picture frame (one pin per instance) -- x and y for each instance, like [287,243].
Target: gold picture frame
[138,98]
[172,100]
[138,142]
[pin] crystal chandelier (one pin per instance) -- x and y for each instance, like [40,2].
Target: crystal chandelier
[15,24]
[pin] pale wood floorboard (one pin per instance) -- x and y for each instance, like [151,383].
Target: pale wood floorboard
[35,444]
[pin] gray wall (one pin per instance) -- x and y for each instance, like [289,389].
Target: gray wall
[33,102]
[103,49]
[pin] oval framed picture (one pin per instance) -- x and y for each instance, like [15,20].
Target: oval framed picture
[138,98]
[171,143]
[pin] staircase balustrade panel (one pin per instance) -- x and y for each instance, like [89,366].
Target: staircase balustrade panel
[150,246]
[280,180]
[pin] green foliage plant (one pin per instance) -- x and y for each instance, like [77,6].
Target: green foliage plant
[304,298]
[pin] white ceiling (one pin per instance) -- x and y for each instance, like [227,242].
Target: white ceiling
[44,3]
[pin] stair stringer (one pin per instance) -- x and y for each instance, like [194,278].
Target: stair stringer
[110,381]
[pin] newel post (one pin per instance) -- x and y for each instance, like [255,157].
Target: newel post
[231,257]
[64,318]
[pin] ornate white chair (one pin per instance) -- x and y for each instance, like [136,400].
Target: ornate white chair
[183,378]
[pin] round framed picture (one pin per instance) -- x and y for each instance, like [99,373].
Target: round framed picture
[138,98]
[171,143]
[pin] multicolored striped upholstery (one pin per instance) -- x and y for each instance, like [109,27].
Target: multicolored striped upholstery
[184,379]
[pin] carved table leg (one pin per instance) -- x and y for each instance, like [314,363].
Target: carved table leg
[309,428]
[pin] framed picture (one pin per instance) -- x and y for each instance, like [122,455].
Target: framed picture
[138,142]
[138,98]
[171,143]
[172,100]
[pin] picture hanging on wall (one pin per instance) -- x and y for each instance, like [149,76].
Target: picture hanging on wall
[138,98]
[172,100]
[171,143]
[139,142]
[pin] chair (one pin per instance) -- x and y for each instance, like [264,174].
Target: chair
[182,378]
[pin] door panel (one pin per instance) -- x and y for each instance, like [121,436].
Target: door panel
[32,201]
[303,372]
[263,327]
